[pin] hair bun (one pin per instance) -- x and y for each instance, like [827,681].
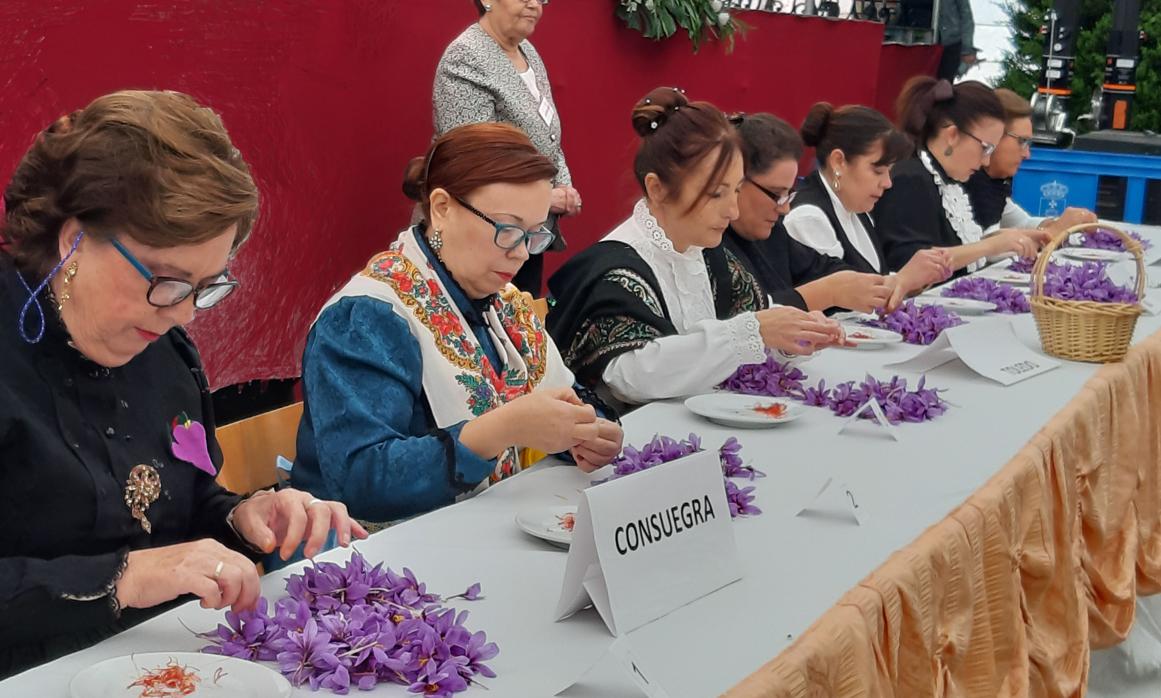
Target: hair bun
[655,108]
[817,122]
[413,178]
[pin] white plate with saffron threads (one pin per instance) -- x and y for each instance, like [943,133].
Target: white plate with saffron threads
[864,337]
[1004,276]
[963,306]
[1089,254]
[553,524]
[744,411]
[209,675]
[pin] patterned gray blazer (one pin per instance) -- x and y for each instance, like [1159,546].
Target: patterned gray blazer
[475,82]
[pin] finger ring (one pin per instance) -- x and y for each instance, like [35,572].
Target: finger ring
[218,569]
[312,502]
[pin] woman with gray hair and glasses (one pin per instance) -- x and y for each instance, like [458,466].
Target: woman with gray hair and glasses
[491,72]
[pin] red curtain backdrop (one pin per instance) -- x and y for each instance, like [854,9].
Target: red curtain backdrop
[898,64]
[328,99]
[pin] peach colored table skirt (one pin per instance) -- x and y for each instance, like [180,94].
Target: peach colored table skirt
[1006,595]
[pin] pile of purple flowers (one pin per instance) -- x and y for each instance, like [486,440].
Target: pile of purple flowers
[898,403]
[662,449]
[355,625]
[919,324]
[771,377]
[1008,299]
[1085,282]
[1108,240]
[1023,265]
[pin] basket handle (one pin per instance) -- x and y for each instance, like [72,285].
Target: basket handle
[1131,245]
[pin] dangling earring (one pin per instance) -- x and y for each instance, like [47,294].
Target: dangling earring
[837,183]
[70,272]
[435,240]
[947,151]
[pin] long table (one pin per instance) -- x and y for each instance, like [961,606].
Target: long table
[938,617]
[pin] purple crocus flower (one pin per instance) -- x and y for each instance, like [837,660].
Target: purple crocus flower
[439,680]
[740,499]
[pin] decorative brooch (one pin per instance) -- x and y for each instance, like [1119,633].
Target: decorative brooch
[142,490]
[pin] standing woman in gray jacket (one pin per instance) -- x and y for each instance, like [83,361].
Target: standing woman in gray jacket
[491,72]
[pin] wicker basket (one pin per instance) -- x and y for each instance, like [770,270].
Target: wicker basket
[1085,330]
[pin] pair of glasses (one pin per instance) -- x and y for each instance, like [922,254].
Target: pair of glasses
[988,148]
[166,291]
[779,199]
[1022,141]
[509,236]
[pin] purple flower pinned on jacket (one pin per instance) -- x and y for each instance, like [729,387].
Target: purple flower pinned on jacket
[919,324]
[189,444]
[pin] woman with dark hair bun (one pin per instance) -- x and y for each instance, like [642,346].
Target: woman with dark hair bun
[956,130]
[429,370]
[658,308]
[791,272]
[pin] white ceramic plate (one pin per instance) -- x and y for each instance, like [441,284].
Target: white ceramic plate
[1004,276]
[962,306]
[553,524]
[734,410]
[864,337]
[237,678]
[1087,254]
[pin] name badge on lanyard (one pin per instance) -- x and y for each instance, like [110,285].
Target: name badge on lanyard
[546,111]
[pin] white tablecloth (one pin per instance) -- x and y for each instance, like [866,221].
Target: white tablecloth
[794,567]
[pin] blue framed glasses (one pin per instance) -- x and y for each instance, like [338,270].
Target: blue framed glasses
[509,236]
[167,291]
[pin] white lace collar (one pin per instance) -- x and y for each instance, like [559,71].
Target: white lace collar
[957,208]
[655,234]
[683,278]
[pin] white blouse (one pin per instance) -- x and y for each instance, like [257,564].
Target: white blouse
[809,225]
[529,78]
[706,351]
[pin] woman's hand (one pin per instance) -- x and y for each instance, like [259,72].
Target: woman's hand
[594,453]
[793,331]
[925,268]
[207,569]
[858,291]
[1071,216]
[566,201]
[1017,241]
[285,518]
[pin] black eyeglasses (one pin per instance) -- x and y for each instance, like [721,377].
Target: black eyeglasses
[779,199]
[988,148]
[509,236]
[1022,141]
[166,291]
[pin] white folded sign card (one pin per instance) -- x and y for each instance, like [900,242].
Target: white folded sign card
[651,542]
[991,349]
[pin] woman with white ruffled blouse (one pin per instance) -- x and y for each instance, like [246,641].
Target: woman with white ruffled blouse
[658,308]
[956,129]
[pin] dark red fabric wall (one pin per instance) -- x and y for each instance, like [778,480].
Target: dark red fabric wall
[328,99]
